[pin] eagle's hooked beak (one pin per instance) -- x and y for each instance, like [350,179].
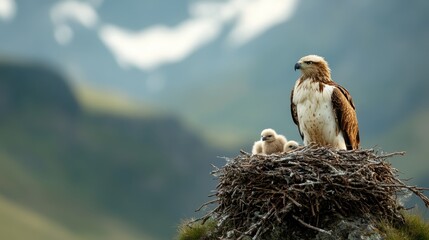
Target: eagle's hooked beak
[297,66]
[264,138]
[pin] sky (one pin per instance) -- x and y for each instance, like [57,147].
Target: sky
[153,46]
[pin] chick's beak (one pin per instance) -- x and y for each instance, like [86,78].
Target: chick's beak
[297,66]
[263,138]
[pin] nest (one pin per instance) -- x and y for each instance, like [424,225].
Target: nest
[259,193]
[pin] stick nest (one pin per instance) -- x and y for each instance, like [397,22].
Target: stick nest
[257,194]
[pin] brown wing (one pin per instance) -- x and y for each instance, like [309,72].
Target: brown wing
[344,109]
[295,114]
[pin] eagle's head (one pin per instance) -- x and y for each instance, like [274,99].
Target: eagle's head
[268,135]
[313,65]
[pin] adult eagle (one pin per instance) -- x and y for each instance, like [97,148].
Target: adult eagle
[323,110]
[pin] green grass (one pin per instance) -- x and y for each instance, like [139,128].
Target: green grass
[18,222]
[414,228]
[189,230]
[111,102]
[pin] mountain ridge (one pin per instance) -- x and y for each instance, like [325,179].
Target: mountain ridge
[74,162]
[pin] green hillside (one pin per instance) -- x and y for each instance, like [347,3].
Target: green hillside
[18,222]
[67,164]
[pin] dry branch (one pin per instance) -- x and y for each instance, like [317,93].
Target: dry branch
[257,193]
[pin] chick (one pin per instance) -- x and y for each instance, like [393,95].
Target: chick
[290,145]
[257,147]
[272,142]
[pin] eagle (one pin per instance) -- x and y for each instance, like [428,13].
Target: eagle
[322,109]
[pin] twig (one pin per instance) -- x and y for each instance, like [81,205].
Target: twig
[311,226]
[206,204]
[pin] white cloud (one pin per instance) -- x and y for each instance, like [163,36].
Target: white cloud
[7,9]
[257,16]
[158,45]
[252,17]
[79,12]
[64,12]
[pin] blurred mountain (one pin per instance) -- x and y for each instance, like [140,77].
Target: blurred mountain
[26,87]
[75,166]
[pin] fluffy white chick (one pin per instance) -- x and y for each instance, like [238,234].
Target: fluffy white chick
[272,142]
[257,147]
[290,146]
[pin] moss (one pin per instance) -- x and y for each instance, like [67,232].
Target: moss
[414,228]
[190,230]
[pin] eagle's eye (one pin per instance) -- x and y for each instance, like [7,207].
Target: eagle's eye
[269,135]
[309,62]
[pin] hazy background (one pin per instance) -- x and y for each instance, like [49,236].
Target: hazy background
[111,112]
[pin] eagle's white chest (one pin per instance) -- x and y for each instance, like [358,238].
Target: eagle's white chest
[317,121]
